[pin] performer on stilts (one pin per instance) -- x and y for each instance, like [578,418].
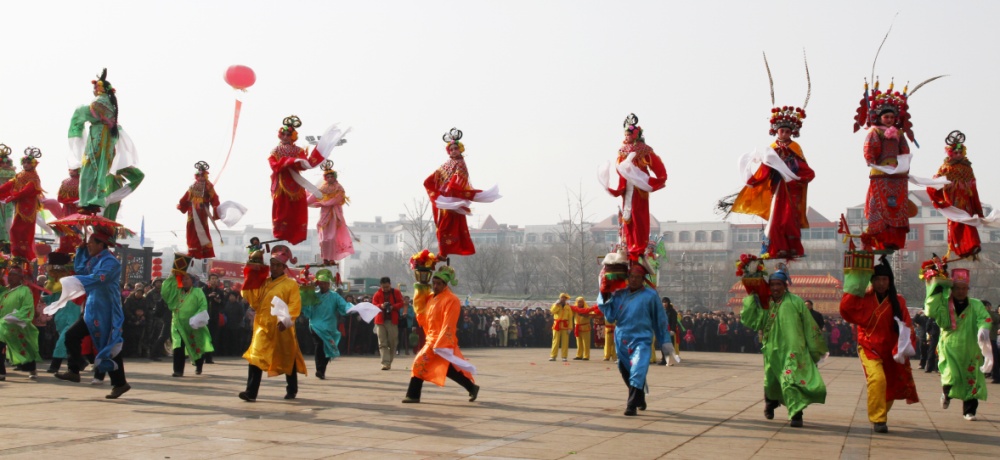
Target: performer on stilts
[7,172]
[200,203]
[334,236]
[451,194]
[69,197]
[958,201]
[776,191]
[640,172]
[24,191]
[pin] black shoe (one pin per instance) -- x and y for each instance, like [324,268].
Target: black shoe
[321,376]
[641,406]
[246,397]
[197,372]
[797,420]
[69,376]
[630,411]
[577,358]
[118,391]
[409,400]
[662,362]
[880,428]
[289,395]
[768,411]
[53,371]
[176,375]
[474,393]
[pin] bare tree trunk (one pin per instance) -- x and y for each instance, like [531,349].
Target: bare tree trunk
[418,226]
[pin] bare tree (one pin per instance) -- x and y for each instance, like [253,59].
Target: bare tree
[577,259]
[487,268]
[391,264]
[527,271]
[418,226]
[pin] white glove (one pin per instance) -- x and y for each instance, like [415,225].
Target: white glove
[987,349]
[14,320]
[904,347]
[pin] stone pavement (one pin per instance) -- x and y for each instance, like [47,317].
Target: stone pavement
[708,407]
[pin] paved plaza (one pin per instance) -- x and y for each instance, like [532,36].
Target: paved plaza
[708,407]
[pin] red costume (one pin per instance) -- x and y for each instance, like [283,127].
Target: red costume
[961,194]
[289,212]
[25,191]
[69,197]
[886,203]
[200,203]
[636,161]
[451,194]
[878,339]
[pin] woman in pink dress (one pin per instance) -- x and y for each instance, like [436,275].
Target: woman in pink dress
[334,236]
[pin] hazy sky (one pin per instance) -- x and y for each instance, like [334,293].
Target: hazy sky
[540,89]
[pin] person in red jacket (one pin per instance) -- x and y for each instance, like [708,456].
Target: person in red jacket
[881,318]
[390,300]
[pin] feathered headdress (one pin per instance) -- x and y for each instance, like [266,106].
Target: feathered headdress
[788,116]
[877,102]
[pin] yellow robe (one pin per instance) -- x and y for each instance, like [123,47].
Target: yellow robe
[271,350]
[562,319]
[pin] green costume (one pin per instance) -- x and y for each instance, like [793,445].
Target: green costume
[959,355]
[99,150]
[7,173]
[183,306]
[22,341]
[123,183]
[792,344]
[64,318]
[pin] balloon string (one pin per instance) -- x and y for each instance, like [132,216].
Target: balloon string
[236,121]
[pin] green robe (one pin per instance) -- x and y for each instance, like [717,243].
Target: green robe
[6,209]
[183,306]
[959,356]
[129,177]
[322,312]
[22,342]
[95,174]
[792,344]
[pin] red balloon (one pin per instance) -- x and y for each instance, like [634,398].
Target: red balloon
[240,76]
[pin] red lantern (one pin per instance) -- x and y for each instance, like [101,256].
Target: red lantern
[157,260]
[156,274]
[240,77]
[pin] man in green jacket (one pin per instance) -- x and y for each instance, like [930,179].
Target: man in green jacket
[189,323]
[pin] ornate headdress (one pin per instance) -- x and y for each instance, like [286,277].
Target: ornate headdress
[876,103]
[956,143]
[327,167]
[631,123]
[453,136]
[202,167]
[103,83]
[788,116]
[31,155]
[5,156]
[290,123]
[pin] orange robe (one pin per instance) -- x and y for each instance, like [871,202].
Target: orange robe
[782,204]
[25,191]
[438,316]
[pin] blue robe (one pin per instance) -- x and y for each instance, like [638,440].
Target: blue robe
[100,276]
[638,317]
[323,320]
